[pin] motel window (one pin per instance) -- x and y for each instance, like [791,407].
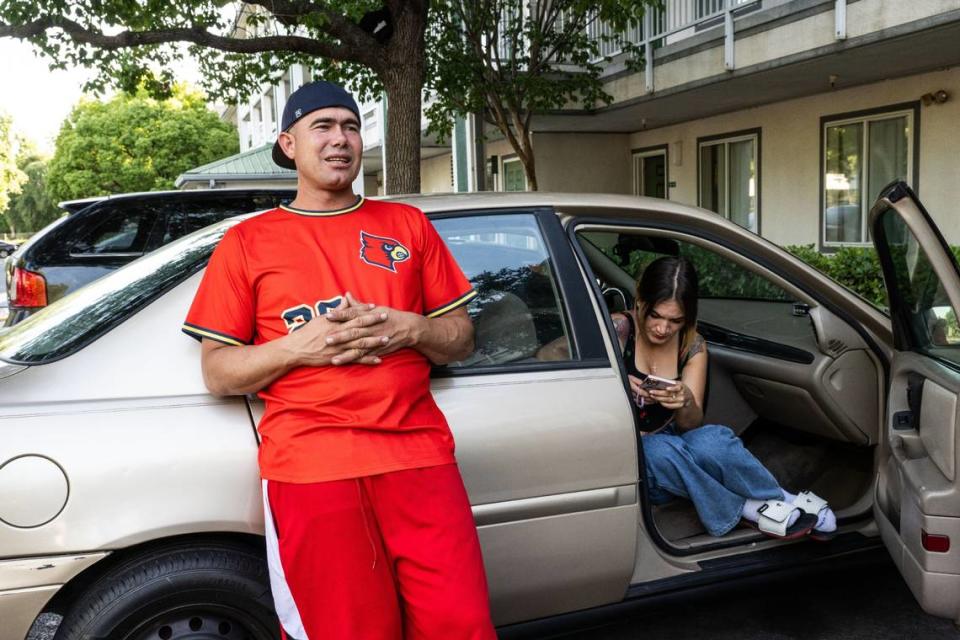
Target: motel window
[730,177]
[861,155]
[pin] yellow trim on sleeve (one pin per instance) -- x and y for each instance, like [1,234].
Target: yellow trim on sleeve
[200,333]
[453,305]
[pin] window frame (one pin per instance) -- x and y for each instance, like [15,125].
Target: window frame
[584,333]
[910,109]
[725,139]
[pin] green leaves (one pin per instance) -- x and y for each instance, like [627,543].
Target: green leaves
[241,47]
[135,143]
[509,59]
[856,268]
[31,209]
[11,177]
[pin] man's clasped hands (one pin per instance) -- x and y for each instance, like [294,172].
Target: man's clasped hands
[355,332]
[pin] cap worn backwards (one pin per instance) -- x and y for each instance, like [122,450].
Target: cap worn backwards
[306,99]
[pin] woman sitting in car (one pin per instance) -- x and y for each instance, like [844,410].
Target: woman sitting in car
[666,361]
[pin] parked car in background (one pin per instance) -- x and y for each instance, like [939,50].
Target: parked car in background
[6,248]
[130,499]
[100,235]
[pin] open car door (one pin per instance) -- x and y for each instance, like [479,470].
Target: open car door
[917,504]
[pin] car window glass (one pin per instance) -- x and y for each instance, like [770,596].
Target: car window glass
[117,230]
[183,218]
[719,277]
[923,306]
[733,299]
[517,313]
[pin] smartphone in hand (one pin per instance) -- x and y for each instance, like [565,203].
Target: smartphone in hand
[652,382]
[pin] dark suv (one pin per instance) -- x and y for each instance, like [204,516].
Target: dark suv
[102,234]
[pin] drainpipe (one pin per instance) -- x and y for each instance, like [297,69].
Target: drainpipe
[840,13]
[728,60]
[648,49]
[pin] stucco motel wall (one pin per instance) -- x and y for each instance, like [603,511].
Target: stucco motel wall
[435,175]
[790,153]
[574,162]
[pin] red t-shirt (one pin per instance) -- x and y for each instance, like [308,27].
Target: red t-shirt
[274,272]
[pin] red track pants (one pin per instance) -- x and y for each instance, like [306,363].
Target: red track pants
[377,558]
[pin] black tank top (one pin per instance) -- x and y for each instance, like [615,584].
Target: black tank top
[652,417]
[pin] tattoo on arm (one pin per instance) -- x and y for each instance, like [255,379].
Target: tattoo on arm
[622,327]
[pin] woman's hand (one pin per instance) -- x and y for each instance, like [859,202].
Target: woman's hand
[675,397]
[640,395]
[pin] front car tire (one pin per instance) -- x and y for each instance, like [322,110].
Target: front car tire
[182,592]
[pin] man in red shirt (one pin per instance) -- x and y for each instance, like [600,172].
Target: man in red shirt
[369,529]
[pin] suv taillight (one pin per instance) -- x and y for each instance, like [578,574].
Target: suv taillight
[29,289]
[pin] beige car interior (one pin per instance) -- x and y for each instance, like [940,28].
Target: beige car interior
[813,424]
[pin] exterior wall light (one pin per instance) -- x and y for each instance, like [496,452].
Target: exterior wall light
[936,97]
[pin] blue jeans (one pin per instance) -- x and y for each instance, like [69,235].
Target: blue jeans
[709,466]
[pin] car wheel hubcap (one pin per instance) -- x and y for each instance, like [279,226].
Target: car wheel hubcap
[194,626]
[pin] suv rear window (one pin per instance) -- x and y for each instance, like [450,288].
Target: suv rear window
[135,225]
[125,234]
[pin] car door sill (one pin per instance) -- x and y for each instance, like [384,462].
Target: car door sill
[803,553]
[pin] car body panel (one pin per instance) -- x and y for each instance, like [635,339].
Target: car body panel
[19,609]
[918,492]
[30,582]
[151,455]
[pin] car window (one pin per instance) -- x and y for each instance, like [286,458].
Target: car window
[921,301]
[183,218]
[719,277]
[517,313]
[734,301]
[117,230]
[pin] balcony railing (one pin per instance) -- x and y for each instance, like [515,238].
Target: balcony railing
[671,22]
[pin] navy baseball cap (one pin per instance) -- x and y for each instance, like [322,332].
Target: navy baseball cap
[308,98]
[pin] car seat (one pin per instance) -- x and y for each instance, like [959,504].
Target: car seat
[504,331]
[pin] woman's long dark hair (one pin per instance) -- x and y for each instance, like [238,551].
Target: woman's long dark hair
[671,278]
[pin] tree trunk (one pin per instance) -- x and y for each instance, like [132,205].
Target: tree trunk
[403,78]
[403,130]
[524,146]
[529,164]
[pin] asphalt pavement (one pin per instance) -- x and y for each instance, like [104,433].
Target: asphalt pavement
[866,601]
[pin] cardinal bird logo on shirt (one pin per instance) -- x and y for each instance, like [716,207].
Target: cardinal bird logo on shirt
[382,252]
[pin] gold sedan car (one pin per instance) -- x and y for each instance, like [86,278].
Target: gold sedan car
[129,496]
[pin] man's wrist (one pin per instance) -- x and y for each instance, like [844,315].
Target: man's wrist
[418,329]
[288,352]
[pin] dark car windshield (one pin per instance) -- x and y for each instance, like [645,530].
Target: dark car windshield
[75,321]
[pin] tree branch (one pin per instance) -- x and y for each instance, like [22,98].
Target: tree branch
[196,35]
[290,12]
